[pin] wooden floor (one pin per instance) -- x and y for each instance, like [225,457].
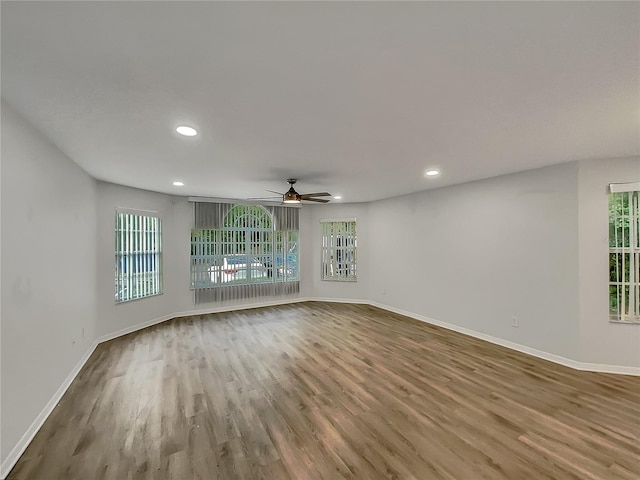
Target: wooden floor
[331,391]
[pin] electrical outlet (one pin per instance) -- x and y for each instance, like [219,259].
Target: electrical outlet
[514,321]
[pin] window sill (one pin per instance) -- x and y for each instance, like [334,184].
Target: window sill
[624,322]
[122,302]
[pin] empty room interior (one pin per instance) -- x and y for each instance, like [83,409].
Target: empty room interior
[320,240]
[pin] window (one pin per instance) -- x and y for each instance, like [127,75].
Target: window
[239,246]
[339,244]
[624,253]
[138,256]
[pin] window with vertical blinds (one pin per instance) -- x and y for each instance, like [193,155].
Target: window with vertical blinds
[339,248]
[624,253]
[138,256]
[243,251]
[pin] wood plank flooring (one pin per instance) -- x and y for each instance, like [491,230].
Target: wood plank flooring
[331,391]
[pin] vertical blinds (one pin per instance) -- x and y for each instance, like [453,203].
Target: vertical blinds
[624,255]
[209,215]
[138,256]
[339,250]
[243,251]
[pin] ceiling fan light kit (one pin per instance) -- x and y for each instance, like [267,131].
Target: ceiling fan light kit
[291,196]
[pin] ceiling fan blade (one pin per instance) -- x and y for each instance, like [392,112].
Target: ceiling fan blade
[271,191]
[321,194]
[264,198]
[319,200]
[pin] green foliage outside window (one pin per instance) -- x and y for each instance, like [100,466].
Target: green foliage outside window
[624,256]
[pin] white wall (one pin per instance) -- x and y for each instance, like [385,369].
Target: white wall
[474,255]
[177,298]
[176,225]
[527,244]
[532,244]
[48,273]
[311,239]
[602,342]
[177,217]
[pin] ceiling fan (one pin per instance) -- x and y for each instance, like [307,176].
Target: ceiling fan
[291,196]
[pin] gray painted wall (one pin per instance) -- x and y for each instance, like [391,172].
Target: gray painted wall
[532,244]
[176,225]
[601,341]
[177,215]
[486,251]
[313,285]
[48,272]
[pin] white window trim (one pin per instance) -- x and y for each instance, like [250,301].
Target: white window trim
[634,254]
[160,283]
[244,201]
[279,273]
[137,211]
[354,262]
[624,187]
[331,220]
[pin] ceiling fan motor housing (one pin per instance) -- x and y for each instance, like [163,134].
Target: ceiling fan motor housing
[291,196]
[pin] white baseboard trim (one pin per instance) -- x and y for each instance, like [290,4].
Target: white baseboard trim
[233,308]
[23,443]
[205,311]
[21,446]
[338,300]
[226,308]
[567,362]
[133,328]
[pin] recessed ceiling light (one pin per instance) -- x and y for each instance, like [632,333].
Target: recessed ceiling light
[186,131]
[337,197]
[432,173]
[178,184]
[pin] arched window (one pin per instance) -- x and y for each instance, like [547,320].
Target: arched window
[242,245]
[248,216]
[247,246]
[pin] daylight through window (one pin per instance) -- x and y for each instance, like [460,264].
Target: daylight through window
[251,248]
[138,256]
[624,256]
[339,246]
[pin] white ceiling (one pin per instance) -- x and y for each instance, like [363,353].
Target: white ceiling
[354,98]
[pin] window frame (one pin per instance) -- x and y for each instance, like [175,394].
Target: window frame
[148,247]
[276,257]
[332,230]
[624,253]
